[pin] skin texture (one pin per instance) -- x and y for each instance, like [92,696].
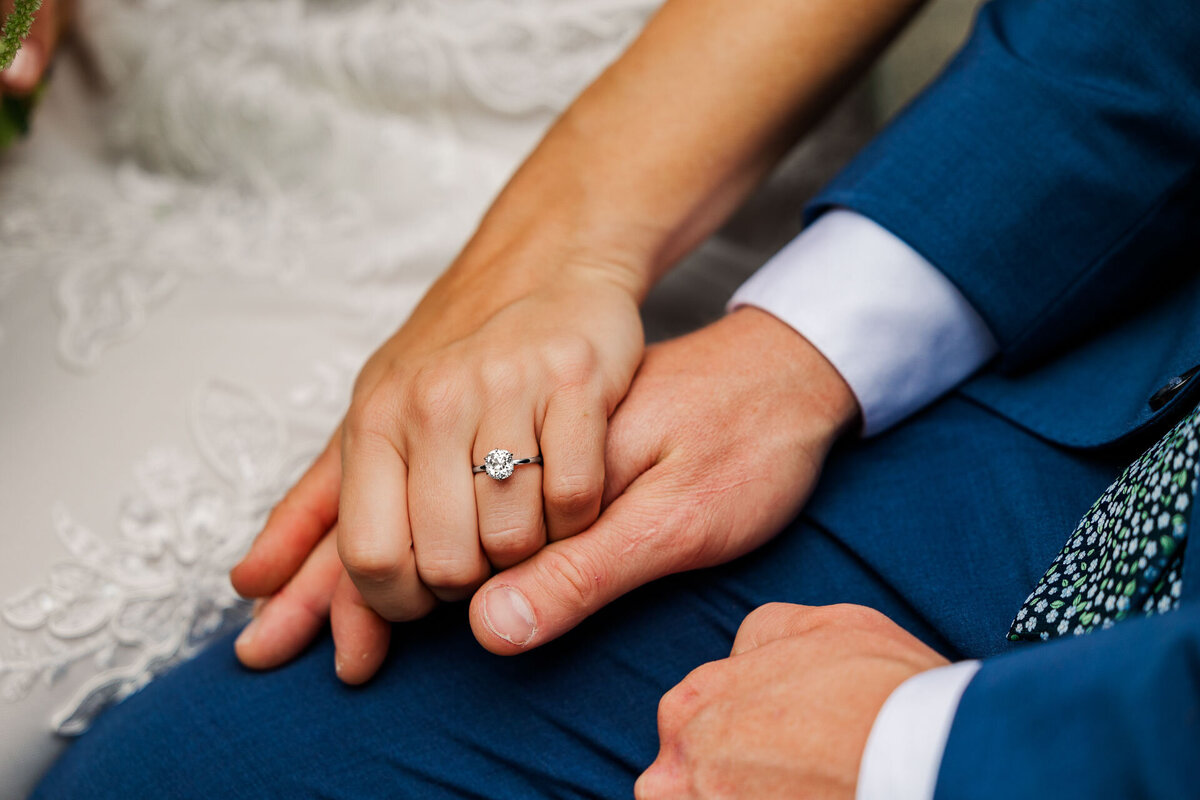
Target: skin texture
[787,715]
[531,341]
[769,421]
[26,71]
[644,165]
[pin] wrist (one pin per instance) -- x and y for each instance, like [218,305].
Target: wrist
[799,366]
[516,252]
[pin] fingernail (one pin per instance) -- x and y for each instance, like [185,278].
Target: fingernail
[338,662]
[257,608]
[247,635]
[23,72]
[508,614]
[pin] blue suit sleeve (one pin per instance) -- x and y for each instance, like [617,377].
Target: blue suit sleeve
[1052,169]
[1113,714]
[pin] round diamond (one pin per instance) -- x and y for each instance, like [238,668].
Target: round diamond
[498,464]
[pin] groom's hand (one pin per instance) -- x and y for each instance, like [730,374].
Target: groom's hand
[789,712]
[715,448]
[713,451]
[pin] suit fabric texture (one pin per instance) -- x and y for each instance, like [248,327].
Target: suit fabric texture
[1052,174]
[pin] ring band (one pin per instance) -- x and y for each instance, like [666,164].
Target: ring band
[499,464]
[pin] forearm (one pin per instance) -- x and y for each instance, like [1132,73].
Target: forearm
[654,155]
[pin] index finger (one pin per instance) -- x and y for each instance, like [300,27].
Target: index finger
[374,536]
[294,527]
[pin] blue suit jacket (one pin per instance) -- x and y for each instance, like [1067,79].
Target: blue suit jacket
[1053,174]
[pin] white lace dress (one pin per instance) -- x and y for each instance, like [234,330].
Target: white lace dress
[224,207]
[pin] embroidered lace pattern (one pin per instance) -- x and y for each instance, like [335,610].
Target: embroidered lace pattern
[332,152]
[283,140]
[155,590]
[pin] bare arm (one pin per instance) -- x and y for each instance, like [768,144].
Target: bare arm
[667,142]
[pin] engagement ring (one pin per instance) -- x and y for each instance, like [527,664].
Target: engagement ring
[499,464]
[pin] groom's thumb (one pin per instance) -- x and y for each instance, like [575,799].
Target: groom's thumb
[557,588]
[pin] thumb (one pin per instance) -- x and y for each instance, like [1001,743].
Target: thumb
[550,593]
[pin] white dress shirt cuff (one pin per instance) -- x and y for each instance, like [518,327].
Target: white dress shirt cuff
[899,332]
[905,746]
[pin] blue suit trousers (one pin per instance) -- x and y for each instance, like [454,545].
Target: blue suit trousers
[944,524]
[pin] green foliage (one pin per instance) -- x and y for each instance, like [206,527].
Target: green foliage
[16,27]
[14,118]
[15,111]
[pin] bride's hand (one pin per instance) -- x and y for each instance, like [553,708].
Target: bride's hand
[26,71]
[484,363]
[523,353]
[540,376]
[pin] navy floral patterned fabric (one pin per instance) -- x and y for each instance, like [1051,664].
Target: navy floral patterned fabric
[1125,557]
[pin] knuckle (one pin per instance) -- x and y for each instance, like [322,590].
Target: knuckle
[373,414]
[767,616]
[767,622]
[571,361]
[436,394]
[574,495]
[679,704]
[449,570]
[511,542]
[675,703]
[670,712]
[848,614]
[365,560]
[502,376]
[576,579]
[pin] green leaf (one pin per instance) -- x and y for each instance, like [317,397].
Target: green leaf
[1057,604]
[16,27]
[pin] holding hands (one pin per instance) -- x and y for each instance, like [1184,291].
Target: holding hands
[530,341]
[394,499]
[702,464]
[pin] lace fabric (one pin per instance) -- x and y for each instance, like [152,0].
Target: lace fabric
[136,602]
[224,205]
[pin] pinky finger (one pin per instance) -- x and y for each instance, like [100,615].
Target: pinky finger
[360,636]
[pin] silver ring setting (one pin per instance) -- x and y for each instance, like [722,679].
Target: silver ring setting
[499,464]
